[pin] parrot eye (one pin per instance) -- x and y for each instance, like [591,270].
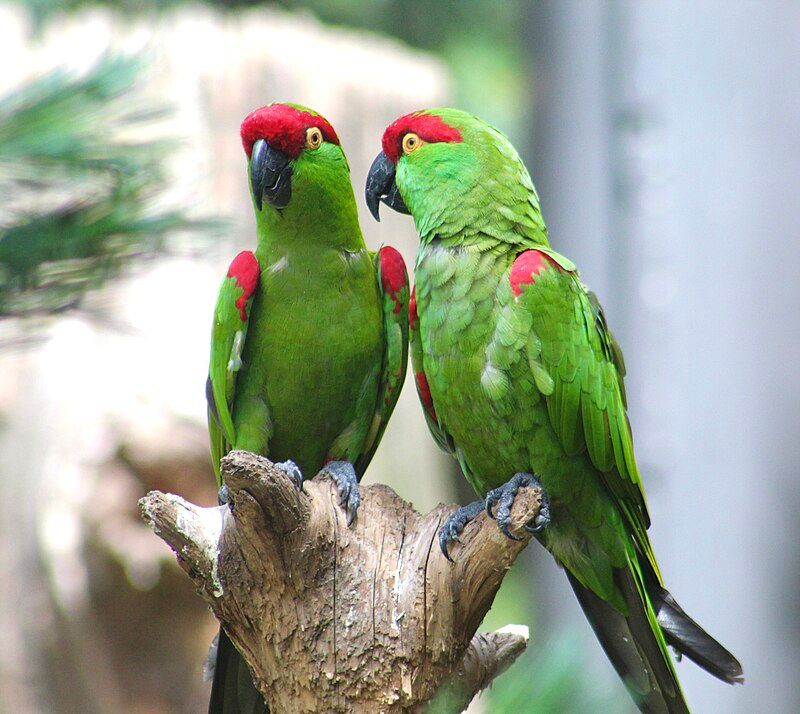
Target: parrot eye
[411,142]
[313,138]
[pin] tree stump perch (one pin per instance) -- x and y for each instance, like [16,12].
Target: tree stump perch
[370,618]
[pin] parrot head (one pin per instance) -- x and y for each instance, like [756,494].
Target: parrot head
[441,166]
[292,152]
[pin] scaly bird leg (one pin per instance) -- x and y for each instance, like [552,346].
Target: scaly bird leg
[345,476]
[292,470]
[503,498]
[450,531]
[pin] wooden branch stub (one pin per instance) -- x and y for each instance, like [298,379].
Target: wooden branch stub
[369,618]
[489,654]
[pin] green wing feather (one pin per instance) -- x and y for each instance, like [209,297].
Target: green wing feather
[443,440]
[574,349]
[394,306]
[228,335]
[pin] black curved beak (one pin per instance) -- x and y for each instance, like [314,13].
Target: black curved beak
[381,186]
[270,175]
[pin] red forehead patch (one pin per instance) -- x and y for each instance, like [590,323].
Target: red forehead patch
[427,127]
[283,127]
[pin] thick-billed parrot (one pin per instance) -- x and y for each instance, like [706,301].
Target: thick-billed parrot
[522,381]
[310,331]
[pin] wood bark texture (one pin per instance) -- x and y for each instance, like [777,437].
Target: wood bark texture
[370,618]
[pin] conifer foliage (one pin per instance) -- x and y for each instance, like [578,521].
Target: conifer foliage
[79,193]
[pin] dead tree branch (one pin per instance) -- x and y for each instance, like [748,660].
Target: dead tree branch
[370,618]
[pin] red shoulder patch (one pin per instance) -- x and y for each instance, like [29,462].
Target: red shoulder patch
[393,273]
[245,270]
[283,127]
[428,127]
[413,318]
[526,267]
[424,391]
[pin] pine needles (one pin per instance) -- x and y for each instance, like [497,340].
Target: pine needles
[78,200]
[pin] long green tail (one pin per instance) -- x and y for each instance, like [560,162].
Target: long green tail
[233,691]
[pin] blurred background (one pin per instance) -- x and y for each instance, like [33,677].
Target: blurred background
[664,141]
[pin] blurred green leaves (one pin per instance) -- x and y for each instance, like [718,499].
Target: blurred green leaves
[554,673]
[79,185]
[553,676]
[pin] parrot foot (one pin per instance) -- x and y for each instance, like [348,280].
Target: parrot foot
[455,523]
[503,498]
[210,663]
[223,498]
[292,470]
[345,476]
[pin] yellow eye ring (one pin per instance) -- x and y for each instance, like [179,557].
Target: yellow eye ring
[313,138]
[411,142]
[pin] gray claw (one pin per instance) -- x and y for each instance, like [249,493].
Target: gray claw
[346,479]
[503,497]
[210,662]
[223,496]
[492,498]
[292,470]
[542,520]
[452,527]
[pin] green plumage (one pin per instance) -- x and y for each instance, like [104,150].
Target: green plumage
[528,378]
[307,367]
[531,381]
[321,350]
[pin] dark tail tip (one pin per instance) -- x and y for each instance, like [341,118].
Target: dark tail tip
[686,636]
[632,647]
[233,691]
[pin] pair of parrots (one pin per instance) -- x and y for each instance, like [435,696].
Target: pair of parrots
[519,377]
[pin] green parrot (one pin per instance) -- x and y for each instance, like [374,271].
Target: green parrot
[310,332]
[518,374]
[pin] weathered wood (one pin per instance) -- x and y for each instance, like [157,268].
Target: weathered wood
[370,618]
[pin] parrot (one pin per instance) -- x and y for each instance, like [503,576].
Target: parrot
[309,339]
[521,380]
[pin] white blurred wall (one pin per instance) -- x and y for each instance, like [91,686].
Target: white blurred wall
[667,157]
